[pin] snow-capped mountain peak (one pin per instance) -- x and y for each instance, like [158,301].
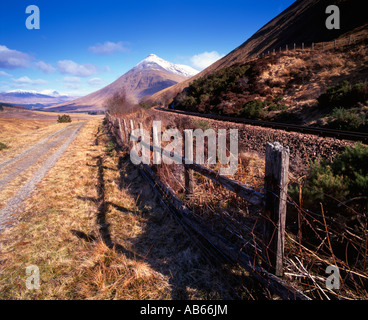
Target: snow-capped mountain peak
[155,62]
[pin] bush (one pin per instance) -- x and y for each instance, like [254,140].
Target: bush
[3,146]
[145,105]
[1,108]
[343,119]
[64,118]
[253,110]
[344,95]
[204,90]
[343,179]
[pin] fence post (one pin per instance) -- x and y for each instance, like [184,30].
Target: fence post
[188,154]
[276,184]
[121,131]
[156,142]
[131,126]
[126,132]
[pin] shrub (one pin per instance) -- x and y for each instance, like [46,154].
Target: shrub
[344,95]
[253,110]
[1,108]
[64,118]
[202,124]
[343,119]
[3,146]
[343,179]
[145,105]
[203,90]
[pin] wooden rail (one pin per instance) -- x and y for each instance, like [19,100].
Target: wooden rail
[273,203]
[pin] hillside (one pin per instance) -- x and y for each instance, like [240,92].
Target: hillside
[302,22]
[321,88]
[151,75]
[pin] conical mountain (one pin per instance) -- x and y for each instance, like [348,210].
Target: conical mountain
[148,77]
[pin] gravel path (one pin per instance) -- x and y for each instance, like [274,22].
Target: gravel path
[30,157]
[38,144]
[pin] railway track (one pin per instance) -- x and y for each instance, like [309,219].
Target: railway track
[321,132]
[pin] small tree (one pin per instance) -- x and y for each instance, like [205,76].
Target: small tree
[64,118]
[119,103]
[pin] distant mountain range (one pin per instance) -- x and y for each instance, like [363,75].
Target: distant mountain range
[34,99]
[151,75]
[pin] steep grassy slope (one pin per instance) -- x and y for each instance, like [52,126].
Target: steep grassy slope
[304,21]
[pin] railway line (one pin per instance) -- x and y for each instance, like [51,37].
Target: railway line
[321,132]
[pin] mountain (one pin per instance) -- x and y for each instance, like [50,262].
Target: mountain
[304,21]
[151,75]
[34,99]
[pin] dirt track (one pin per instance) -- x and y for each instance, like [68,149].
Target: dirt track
[20,175]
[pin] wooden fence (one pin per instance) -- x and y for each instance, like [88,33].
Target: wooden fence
[312,47]
[273,204]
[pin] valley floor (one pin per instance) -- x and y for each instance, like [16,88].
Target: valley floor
[94,230]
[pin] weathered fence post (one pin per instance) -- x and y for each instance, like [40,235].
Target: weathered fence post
[188,153]
[156,142]
[126,132]
[276,184]
[121,135]
[131,126]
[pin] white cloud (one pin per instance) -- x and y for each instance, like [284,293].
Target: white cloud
[72,83]
[108,48]
[12,59]
[96,82]
[27,81]
[5,74]
[205,59]
[45,67]
[75,69]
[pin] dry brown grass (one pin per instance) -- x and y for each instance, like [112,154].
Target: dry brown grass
[20,134]
[95,230]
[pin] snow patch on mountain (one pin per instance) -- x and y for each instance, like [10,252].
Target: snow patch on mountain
[155,62]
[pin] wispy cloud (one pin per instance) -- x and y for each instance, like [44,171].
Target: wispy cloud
[13,59]
[108,48]
[72,83]
[45,67]
[22,81]
[5,74]
[96,82]
[75,69]
[205,59]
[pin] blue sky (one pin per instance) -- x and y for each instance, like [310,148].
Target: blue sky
[82,46]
